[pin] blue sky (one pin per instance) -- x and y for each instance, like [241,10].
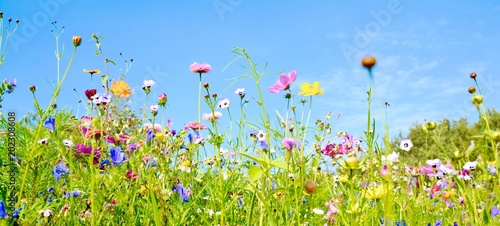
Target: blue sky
[425,51]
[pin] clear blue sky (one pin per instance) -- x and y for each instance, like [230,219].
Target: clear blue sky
[425,51]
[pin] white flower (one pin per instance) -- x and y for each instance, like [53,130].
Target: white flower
[273,151]
[290,175]
[68,143]
[43,141]
[318,211]
[406,145]
[154,107]
[261,135]
[223,103]
[393,157]
[148,83]
[446,170]
[240,91]
[471,166]
[46,213]
[435,163]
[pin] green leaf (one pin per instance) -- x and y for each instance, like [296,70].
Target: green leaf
[255,173]
[280,163]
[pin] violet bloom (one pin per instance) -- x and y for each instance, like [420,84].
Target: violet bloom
[150,136]
[183,192]
[117,155]
[284,82]
[60,170]
[200,68]
[288,143]
[132,147]
[50,123]
[495,211]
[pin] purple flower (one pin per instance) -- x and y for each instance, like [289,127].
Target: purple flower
[150,136]
[288,143]
[50,123]
[60,170]
[183,193]
[132,147]
[284,82]
[494,211]
[117,155]
[81,149]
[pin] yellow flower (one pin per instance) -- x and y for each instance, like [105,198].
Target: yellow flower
[120,89]
[91,72]
[309,90]
[161,137]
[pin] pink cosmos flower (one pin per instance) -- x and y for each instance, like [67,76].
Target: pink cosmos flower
[212,116]
[194,126]
[284,82]
[200,68]
[149,126]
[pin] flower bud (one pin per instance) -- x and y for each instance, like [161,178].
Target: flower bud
[162,99]
[472,90]
[431,125]
[32,89]
[352,161]
[214,95]
[473,75]
[495,136]
[206,85]
[457,155]
[77,40]
[288,95]
[477,100]
[310,187]
[368,62]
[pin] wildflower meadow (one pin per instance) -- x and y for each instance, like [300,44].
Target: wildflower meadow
[122,164]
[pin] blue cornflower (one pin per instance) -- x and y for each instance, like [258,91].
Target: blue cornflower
[3,212]
[15,213]
[151,162]
[183,193]
[263,145]
[59,170]
[117,155]
[150,136]
[50,123]
[401,223]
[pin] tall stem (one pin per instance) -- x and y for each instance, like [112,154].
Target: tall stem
[39,128]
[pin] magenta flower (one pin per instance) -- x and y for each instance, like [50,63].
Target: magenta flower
[200,68]
[82,149]
[284,82]
[288,143]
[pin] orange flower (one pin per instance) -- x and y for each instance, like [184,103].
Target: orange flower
[120,89]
